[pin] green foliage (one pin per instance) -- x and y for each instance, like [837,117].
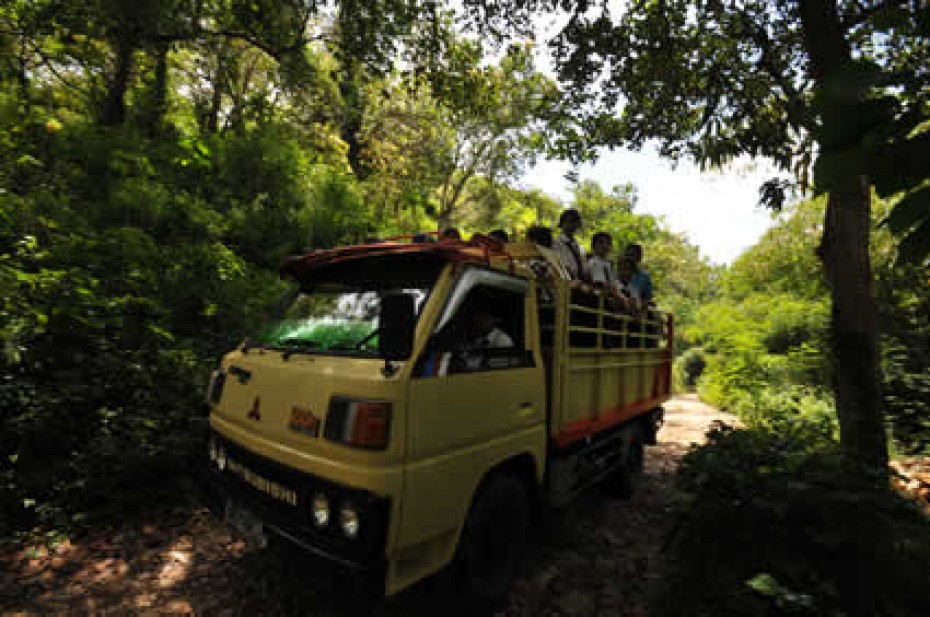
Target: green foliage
[821,88]
[763,341]
[159,158]
[904,304]
[784,260]
[157,161]
[775,523]
[120,288]
[766,334]
[690,365]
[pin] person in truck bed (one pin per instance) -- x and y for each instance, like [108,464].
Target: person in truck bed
[640,282]
[500,234]
[570,252]
[601,269]
[451,234]
[603,274]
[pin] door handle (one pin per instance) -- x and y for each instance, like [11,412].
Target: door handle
[525,408]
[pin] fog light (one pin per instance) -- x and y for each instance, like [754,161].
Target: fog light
[320,510]
[348,520]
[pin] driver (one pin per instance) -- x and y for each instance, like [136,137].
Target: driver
[483,335]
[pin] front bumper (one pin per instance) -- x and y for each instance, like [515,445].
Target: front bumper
[293,521]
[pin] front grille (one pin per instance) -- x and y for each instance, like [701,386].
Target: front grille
[295,520]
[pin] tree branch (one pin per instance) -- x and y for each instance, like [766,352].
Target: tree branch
[467,174]
[272,51]
[867,12]
[798,113]
[48,63]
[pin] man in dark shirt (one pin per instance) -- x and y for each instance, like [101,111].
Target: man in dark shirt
[640,283]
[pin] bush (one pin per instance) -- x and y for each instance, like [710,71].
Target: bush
[793,323]
[117,294]
[775,523]
[810,410]
[690,366]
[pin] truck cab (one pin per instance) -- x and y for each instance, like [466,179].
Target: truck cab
[377,423]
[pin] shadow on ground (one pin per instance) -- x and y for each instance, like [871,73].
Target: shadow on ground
[597,557]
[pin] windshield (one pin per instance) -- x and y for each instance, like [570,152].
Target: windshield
[343,321]
[336,308]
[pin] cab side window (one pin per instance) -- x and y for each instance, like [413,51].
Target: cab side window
[486,333]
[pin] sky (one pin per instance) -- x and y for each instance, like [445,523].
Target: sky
[717,210]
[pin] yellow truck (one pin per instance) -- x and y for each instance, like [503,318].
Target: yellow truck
[416,402]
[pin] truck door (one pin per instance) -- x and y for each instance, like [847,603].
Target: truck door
[477,397]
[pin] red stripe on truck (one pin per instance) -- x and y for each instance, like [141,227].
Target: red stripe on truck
[585,428]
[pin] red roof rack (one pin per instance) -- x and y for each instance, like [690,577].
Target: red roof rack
[479,249]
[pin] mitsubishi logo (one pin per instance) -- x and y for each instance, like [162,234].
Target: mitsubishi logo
[256,412]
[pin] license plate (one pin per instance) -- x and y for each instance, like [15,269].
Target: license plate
[246,523]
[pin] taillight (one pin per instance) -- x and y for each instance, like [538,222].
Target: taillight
[215,387]
[358,423]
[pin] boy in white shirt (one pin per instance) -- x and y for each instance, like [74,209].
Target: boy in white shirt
[600,267]
[602,271]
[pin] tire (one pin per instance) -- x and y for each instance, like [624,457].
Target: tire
[622,484]
[651,424]
[492,543]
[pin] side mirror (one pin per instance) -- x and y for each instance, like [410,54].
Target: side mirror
[397,323]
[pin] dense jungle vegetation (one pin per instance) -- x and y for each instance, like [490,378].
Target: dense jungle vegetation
[158,159]
[150,192]
[759,346]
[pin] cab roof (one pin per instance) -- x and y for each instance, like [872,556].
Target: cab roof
[479,249]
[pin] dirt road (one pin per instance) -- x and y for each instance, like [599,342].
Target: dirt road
[603,554]
[597,557]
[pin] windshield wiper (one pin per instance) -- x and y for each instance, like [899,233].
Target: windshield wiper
[300,345]
[357,345]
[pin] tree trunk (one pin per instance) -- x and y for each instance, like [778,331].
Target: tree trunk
[844,249]
[23,74]
[443,220]
[845,255]
[351,124]
[113,110]
[153,120]
[212,120]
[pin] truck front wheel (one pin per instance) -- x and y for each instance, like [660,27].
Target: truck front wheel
[492,541]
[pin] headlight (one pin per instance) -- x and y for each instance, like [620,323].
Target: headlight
[220,458]
[349,521]
[213,449]
[320,510]
[215,386]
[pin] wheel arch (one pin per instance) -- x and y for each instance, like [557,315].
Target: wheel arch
[522,466]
